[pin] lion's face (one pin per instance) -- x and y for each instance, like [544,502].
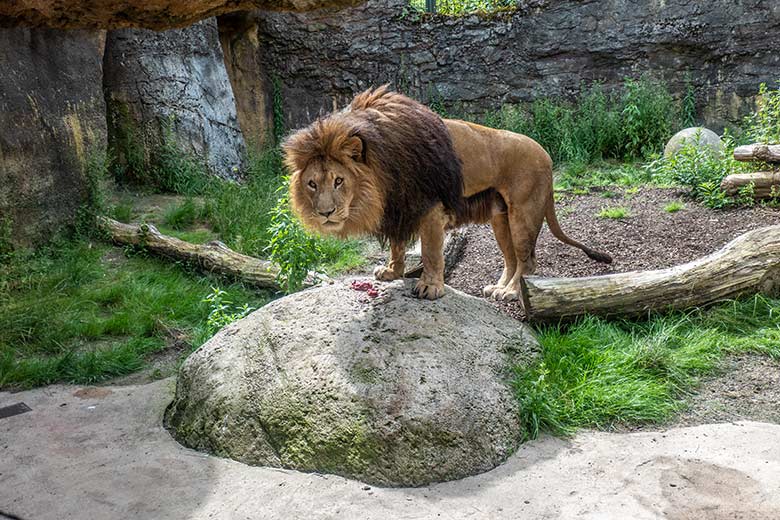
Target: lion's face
[332,188]
[323,194]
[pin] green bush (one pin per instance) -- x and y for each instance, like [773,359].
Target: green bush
[630,125]
[764,125]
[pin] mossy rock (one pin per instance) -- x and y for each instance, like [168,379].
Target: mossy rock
[390,390]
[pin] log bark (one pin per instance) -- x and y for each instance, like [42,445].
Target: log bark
[454,243]
[766,185]
[213,257]
[746,265]
[758,152]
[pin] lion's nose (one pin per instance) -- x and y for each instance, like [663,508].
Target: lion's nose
[328,213]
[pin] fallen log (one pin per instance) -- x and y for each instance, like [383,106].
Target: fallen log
[746,265]
[213,257]
[454,244]
[758,152]
[766,185]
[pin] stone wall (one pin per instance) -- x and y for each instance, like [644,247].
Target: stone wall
[173,80]
[52,117]
[546,48]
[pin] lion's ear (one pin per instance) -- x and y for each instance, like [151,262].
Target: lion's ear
[356,148]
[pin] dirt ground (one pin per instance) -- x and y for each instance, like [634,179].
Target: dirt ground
[746,386]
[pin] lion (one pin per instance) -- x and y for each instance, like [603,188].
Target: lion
[388,166]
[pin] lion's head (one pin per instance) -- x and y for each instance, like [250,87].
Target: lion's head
[332,187]
[376,167]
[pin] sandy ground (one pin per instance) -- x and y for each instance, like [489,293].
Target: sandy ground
[101,453]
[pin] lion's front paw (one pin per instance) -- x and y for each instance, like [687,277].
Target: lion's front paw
[428,290]
[385,274]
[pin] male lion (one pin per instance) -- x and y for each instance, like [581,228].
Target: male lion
[388,166]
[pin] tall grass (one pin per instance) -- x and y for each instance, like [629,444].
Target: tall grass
[598,125]
[602,373]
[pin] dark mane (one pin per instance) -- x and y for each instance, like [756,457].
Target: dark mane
[408,160]
[412,149]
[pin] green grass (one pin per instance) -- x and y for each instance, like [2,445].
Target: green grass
[182,215]
[674,207]
[600,373]
[82,312]
[464,7]
[629,124]
[616,213]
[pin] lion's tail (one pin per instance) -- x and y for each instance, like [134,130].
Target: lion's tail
[555,229]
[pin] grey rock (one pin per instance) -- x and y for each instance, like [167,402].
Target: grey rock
[544,49]
[389,390]
[174,77]
[52,120]
[699,136]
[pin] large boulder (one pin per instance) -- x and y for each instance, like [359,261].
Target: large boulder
[152,14]
[389,390]
[700,137]
[52,126]
[172,82]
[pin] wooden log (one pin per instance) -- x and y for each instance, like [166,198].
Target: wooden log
[758,152]
[213,257]
[746,265]
[766,185]
[454,244]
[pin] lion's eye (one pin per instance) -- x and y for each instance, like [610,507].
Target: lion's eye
[312,185]
[338,181]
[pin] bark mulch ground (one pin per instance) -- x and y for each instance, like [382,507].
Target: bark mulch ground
[649,238]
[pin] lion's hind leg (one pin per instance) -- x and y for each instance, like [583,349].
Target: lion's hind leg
[500,223]
[524,230]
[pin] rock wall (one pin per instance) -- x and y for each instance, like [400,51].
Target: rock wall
[52,117]
[174,78]
[151,14]
[545,48]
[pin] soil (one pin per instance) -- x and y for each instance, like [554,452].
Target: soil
[746,386]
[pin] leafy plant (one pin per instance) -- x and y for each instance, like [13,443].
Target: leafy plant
[764,125]
[290,247]
[222,312]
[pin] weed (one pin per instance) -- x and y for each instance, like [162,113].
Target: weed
[616,213]
[123,212]
[674,207]
[222,311]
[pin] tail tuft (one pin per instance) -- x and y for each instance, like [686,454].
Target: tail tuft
[598,256]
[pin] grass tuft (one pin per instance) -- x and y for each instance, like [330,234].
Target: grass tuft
[674,207]
[616,213]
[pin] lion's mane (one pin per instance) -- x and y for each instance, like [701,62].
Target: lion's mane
[408,164]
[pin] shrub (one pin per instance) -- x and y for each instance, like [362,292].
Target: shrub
[701,170]
[764,125]
[598,125]
[294,250]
